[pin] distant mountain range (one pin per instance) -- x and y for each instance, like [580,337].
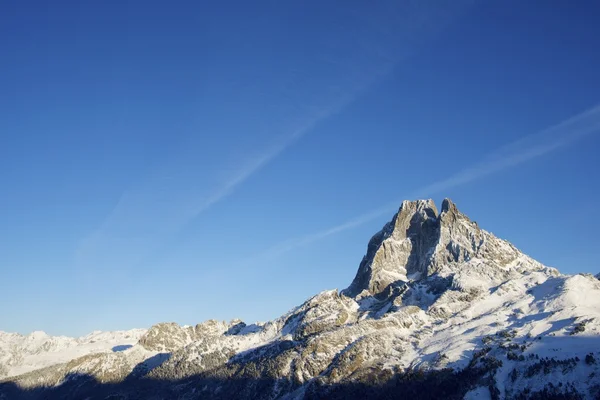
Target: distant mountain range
[439,309]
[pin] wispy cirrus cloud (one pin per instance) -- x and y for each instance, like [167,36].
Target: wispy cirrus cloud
[152,210]
[511,155]
[364,48]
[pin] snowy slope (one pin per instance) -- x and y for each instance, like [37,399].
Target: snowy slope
[537,317]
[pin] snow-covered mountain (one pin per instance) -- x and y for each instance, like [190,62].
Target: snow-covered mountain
[23,353]
[439,308]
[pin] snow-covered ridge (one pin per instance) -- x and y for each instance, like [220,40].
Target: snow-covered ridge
[23,353]
[434,293]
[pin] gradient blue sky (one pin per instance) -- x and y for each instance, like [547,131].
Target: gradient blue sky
[182,161]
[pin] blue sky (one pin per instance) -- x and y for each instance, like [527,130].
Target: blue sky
[165,162]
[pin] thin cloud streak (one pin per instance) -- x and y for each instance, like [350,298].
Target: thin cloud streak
[127,234]
[511,155]
[153,210]
[254,165]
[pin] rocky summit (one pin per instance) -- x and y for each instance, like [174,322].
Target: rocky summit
[419,242]
[439,308]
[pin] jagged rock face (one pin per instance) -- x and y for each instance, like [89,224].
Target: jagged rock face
[399,250]
[439,308]
[418,243]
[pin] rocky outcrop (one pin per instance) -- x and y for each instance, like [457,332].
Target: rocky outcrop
[169,336]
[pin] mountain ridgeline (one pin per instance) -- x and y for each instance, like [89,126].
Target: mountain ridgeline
[439,308]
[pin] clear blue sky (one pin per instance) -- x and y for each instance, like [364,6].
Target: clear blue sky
[179,161]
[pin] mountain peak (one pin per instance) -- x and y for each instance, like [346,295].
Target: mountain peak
[38,335]
[448,206]
[419,242]
[425,206]
[399,250]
